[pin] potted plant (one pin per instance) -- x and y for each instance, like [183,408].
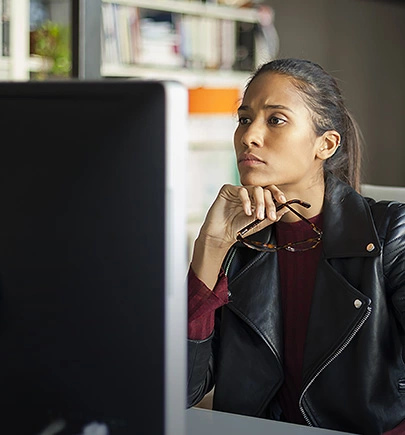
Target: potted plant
[51,41]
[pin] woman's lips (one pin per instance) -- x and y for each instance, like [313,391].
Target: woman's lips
[249,160]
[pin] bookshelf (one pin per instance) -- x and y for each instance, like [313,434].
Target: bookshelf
[196,42]
[208,18]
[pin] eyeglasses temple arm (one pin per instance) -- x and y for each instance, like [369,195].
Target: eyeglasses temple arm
[278,207]
[314,227]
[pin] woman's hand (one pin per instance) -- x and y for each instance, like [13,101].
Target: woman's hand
[234,208]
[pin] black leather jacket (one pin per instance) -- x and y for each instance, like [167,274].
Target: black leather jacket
[353,369]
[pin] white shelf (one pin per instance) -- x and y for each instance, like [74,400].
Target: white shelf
[33,63]
[247,15]
[189,77]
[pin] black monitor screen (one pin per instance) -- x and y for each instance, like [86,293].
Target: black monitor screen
[83,241]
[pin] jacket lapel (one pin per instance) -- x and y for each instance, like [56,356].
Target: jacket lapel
[338,307]
[348,224]
[255,291]
[337,310]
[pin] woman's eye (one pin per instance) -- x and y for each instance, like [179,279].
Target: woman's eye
[243,121]
[274,120]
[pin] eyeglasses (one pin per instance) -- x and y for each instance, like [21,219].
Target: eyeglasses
[300,246]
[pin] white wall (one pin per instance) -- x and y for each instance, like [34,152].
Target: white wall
[362,43]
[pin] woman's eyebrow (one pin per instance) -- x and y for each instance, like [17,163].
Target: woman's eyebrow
[243,108]
[267,106]
[277,106]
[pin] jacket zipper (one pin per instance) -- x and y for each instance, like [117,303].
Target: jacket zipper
[228,260]
[227,265]
[332,358]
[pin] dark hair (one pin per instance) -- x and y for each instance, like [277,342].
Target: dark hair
[323,96]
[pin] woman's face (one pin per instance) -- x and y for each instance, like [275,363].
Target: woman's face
[275,142]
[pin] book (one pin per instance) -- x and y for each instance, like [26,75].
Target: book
[5,27]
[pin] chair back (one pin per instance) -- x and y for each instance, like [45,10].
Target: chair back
[391,193]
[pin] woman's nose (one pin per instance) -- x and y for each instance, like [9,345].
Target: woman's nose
[253,136]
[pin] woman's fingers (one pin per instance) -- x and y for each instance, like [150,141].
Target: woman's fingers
[270,206]
[277,194]
[260,202]
[245,200]
[253,202]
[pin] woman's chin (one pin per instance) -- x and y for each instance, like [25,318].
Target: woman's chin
[255,181]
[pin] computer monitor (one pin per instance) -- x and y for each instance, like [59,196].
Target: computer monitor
[93,257]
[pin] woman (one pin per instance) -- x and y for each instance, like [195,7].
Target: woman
[299,318]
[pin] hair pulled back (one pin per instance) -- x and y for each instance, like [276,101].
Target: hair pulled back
[323,97]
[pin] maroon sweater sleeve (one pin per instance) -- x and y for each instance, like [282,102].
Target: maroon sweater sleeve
[202,303]
[399,430]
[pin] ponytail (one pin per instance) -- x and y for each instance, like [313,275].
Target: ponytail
[345,164]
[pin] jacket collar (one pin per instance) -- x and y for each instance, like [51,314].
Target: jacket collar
[349,229]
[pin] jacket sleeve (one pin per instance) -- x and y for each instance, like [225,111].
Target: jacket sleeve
[203,326]
[201,365]
[394,259]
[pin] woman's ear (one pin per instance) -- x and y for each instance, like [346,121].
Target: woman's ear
[328,144]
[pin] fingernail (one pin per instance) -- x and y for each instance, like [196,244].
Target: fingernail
[273,215]
[283,198]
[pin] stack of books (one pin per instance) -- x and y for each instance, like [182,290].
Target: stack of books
[133,35]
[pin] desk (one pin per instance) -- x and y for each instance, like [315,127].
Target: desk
[206,422]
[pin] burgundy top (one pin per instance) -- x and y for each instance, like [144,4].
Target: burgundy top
[297,278]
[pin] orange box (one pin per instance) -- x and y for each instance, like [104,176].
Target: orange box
[213,100]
